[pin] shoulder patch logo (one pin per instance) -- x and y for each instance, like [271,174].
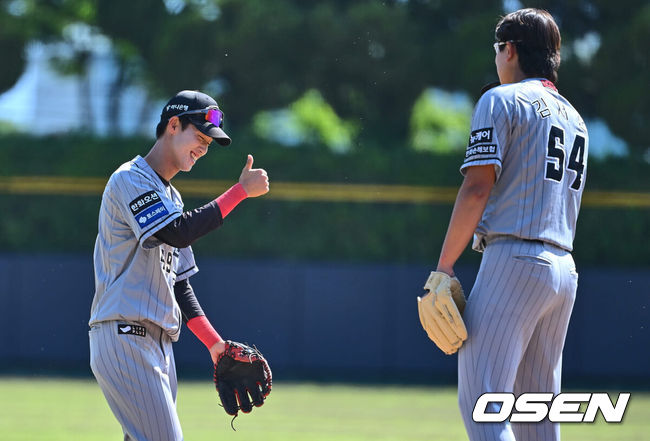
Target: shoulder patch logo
[143,201]
[480,136]
[147,207]
[487,149]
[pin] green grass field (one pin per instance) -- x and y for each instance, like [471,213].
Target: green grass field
[53,409]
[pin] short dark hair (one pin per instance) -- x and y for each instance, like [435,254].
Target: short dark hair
[537,39]
[162,125]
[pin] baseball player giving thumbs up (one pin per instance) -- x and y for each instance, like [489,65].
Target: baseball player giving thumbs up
[143,261]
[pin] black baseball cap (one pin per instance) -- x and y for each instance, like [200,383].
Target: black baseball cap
[187,100]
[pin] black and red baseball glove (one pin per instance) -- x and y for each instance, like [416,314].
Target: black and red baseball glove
[242,377]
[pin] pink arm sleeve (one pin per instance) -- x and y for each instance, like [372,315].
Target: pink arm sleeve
[229,200]
[204,331]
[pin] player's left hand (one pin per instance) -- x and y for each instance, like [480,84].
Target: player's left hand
[241,374]
[254,180]
[216,350]
[440,312]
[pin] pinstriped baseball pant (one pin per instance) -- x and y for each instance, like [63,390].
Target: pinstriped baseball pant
[517,317]
[138,378]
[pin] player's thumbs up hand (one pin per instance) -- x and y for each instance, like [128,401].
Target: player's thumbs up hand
[254,180]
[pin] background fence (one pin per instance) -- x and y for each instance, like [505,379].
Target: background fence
[318,321]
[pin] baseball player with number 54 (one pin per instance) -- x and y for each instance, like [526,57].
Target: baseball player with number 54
[525,169]
[143,261]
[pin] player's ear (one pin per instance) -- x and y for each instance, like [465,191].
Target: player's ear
[173,125]
[511,51]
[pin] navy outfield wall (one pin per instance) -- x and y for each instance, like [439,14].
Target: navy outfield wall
[314,320]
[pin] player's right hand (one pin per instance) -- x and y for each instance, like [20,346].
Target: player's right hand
[254,180]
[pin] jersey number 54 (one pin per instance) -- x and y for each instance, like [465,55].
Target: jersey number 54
[555,157]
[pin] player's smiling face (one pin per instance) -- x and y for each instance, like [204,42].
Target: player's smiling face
[190,144]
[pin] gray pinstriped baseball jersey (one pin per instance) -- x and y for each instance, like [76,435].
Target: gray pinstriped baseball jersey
[538,145]
[519,308]
[135,272]
[134,314]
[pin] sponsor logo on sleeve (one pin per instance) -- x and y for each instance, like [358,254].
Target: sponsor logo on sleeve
[155,212]
[147,207]
[144,201]
[488,149]
[480,136]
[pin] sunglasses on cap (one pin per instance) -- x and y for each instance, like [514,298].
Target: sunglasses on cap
[215,116]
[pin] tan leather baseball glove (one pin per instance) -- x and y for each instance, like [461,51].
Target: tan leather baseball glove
[440,312]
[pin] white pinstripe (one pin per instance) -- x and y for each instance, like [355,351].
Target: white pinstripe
[138,378]
[518,312]
[523,203]
[517,317]
[135,275]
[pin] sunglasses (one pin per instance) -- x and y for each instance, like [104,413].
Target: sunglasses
[215,116]
[498,44]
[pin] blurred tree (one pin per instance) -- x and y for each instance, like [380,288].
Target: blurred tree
[20,22]
[309,120]
[12,41]
[165,45]
[370,60]
[440,121]
[23,21]
[606,63]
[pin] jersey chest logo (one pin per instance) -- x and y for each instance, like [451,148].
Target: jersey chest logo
[147,207]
